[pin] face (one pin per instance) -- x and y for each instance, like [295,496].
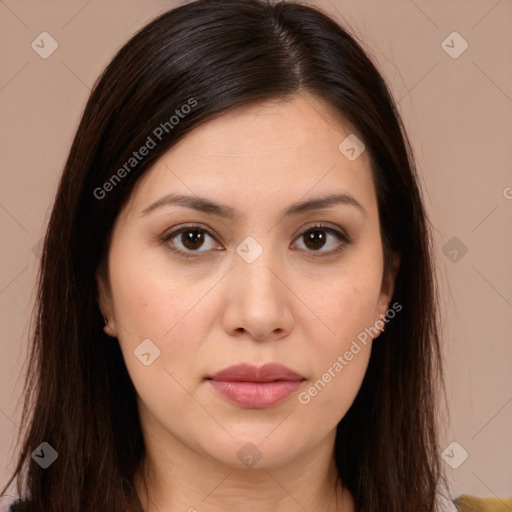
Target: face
[194,288]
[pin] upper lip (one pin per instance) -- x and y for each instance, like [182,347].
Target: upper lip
[268,372]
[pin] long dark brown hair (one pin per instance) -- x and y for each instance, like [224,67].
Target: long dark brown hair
[215,56]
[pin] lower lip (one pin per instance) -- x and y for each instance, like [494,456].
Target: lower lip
[256,395]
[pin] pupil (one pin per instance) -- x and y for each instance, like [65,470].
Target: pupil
[192,237]
[315,237]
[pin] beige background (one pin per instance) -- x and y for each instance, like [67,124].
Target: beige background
[459,116]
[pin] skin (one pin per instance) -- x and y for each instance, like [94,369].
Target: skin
[216,310]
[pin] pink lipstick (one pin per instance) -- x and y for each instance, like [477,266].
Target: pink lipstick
[256,387]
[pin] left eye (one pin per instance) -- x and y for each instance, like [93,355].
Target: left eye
[192,238]
[316,238]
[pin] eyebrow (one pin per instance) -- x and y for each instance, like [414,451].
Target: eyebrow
[205,205]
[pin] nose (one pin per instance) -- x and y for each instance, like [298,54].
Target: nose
[258,301]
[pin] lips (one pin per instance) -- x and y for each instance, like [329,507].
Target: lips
[249,373]
[256,387]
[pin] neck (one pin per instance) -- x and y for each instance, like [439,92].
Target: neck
[193,482]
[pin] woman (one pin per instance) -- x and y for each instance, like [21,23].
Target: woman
[237,306]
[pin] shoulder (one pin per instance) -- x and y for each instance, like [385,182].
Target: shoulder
[11,504]
[468,503]
[6,502]
[444,500]
[445,505]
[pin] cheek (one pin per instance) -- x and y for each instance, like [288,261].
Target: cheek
[152,301]
[347,306]
[328,397]
[340,354]
[153,316]
[150,296]
[342,346]
[350,311]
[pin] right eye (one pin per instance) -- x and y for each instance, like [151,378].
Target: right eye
[187,240]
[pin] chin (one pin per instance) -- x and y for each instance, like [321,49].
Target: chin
[258,451]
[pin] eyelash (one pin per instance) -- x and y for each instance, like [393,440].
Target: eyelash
[345,241]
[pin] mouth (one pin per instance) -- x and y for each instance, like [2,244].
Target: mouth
[256,387]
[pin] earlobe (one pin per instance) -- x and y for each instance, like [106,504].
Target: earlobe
[108,330]
[388,283]
[104,300]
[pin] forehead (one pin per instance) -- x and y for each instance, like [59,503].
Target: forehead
[262,153]
[303,127]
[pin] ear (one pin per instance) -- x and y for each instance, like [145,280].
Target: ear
[104,298]
[388,285]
